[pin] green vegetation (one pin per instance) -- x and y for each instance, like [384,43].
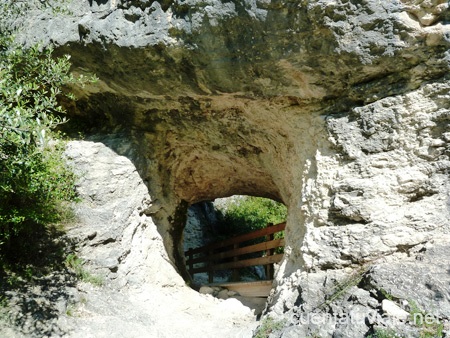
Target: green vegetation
[430,327]
[246,214]
[384,333]
[386,294]
[251,213]
[35,183]
[75,264]
[341,288]
[36,186]
[268,326]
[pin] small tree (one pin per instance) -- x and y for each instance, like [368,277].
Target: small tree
[34,180]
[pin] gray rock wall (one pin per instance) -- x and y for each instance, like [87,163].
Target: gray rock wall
[382,203]
[113,234]
[340,109]
[199,229]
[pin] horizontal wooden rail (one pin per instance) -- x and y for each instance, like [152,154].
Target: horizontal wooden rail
[241,238]
[276,243]
[243,264]
[216,256]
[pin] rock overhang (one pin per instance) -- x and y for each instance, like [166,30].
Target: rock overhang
[311,50]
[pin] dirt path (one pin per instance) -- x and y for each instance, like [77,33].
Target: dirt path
[158,312]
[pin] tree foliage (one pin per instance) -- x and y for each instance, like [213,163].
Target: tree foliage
[34,179]
[251,213]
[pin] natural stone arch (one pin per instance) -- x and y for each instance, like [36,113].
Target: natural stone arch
[353,100]
[230,146]
[214,81]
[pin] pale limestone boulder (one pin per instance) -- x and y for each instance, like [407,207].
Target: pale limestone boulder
[393,310]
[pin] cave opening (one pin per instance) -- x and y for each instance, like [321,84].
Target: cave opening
[241,239]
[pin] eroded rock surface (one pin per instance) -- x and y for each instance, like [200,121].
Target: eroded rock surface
[115,233]
[340,109]
[142,295]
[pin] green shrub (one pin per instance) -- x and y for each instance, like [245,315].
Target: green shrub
[250,213]
[34,180]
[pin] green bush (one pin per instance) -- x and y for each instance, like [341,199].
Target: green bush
[34,180]
[250,213]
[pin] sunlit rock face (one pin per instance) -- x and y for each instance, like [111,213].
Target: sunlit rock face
[339,109]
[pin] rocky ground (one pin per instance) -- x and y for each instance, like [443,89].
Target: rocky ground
[158,312]
[93,311]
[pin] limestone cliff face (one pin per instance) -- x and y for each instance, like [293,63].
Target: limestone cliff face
[340,109]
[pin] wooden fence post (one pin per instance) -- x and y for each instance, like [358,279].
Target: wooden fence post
[210,268]
[191,265]
[270,252]
[235,275]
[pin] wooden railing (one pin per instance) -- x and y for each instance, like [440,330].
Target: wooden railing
[226,254]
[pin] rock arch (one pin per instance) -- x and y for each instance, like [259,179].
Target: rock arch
[229,146]
[338,109]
